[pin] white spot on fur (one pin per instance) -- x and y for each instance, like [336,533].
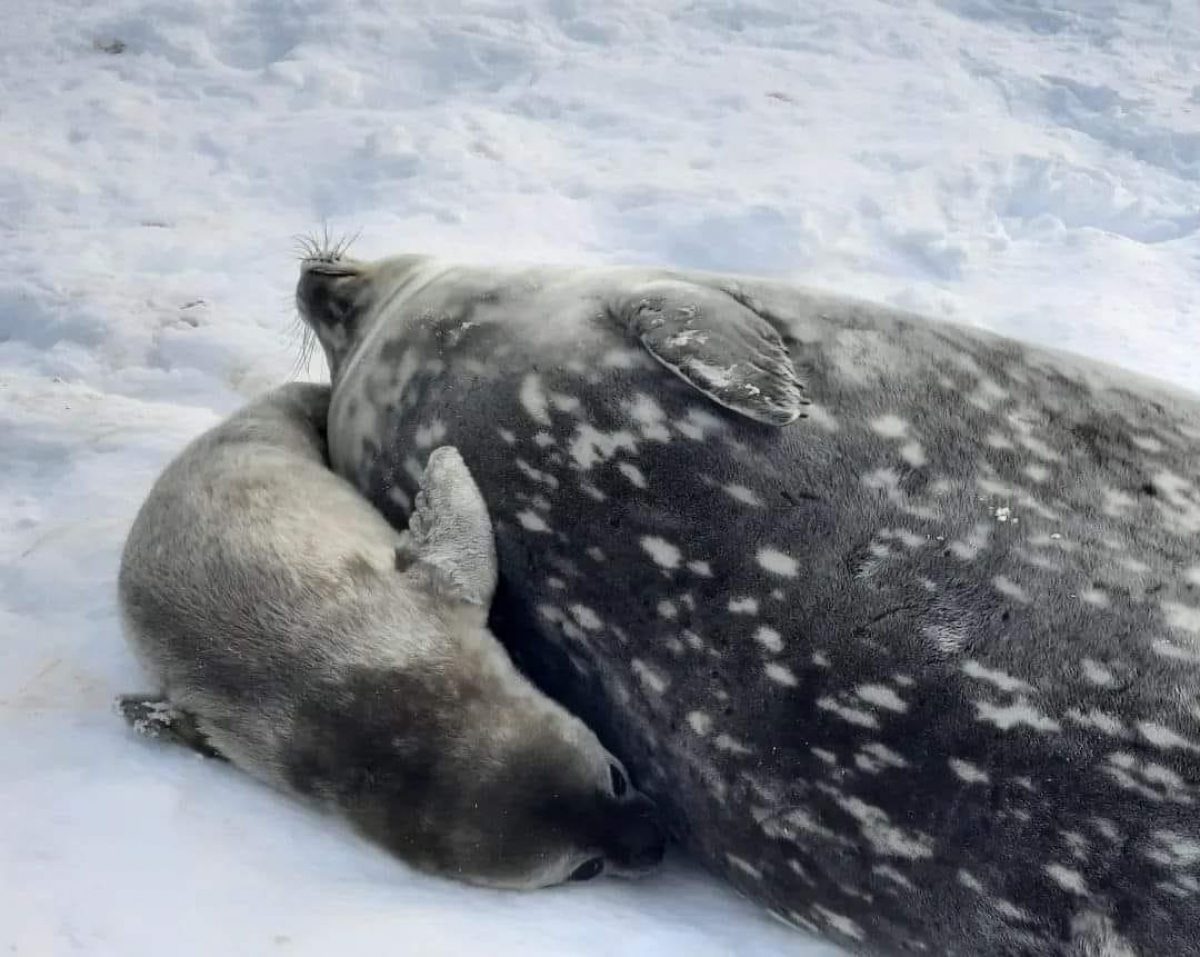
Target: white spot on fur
[1163,737]
[890,426]
[743,606]
[1006,586]
[887,480]
[862,719]
[591,491]
[781,674]
[769,638]
[1100,720]
[665,554]
[968,772]
[1002,680]
[564,403]
[976,540]
[875,756]
[723,742]
[821,417]
[667,610]
[1039,473]
[633,473]
[700,722]
[532,521]
[533,399]
[744,866]
[889,873]
[1181,616]
[427,436]
[1096,673]
[703,569]
[884,836]
[839,922]
[882,696]
[777,563]
[744,495]
[586,617]
[1067,878]
[589,446]
[650,418]
[536,474]
[1177,850]
[1095,596]
[649,676]
[1019,712]
[913,454]
[1147,443]
[970,881]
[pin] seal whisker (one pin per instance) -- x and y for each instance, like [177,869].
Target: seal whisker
[325,248]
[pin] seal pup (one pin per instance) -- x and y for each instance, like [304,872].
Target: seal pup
[292,631]
[920,670]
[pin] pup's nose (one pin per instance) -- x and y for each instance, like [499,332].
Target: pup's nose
[639,840]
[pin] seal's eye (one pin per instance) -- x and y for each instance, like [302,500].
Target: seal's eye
[588,869]
[619,784]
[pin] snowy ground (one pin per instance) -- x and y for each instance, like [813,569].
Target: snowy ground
[1029,165]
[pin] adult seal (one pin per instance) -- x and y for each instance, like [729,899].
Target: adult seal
[294,632]
[919,670]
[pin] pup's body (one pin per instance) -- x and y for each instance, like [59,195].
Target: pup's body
[293,631]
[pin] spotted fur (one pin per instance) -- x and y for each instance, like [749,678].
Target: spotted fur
[920,671]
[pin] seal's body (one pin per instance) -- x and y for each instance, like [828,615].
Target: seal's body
[920,670]
[297,634]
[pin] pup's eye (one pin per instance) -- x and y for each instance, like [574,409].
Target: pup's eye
[588,869]
[619,784]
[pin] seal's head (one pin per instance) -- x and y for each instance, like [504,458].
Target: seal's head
[337,296]
[479,779]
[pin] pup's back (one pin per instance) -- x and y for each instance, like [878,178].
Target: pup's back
[252,568]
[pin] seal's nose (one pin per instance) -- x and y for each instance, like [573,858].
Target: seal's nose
[638,841]
[328,291]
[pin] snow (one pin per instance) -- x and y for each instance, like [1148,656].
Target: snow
[1032,166]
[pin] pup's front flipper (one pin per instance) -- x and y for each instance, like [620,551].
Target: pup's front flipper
[449,534]
[155,717]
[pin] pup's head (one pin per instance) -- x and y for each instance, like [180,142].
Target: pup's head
[479,779]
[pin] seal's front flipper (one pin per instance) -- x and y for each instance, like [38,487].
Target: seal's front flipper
[156,717]
[718,346]
[449,533]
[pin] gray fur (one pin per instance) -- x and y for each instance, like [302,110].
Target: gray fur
[920,671]
[294,632]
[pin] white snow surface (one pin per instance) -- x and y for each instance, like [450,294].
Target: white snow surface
[1032,166]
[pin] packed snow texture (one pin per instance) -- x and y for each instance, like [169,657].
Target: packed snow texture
[1032,166]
